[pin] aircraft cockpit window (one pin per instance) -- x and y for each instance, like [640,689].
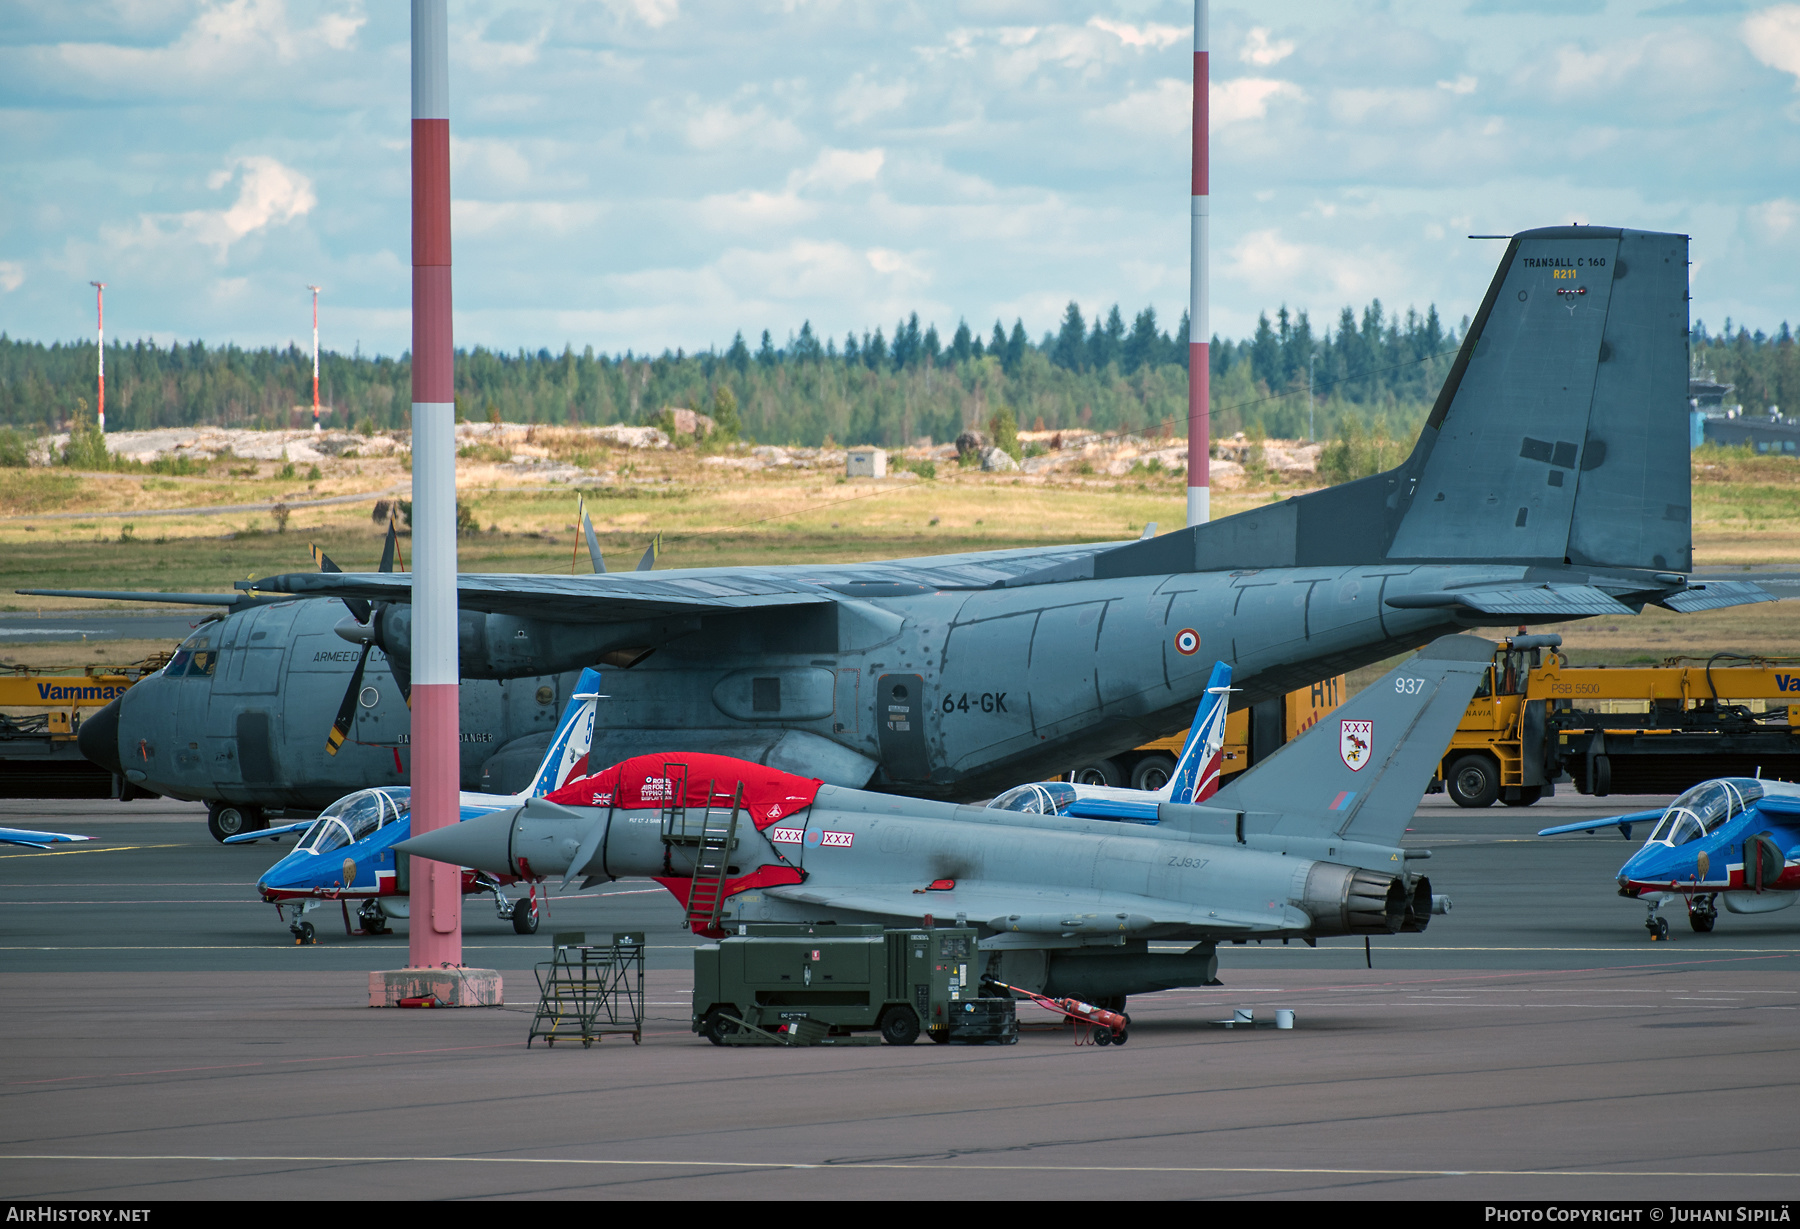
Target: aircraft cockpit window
[196,656]
[1708,804]
[326,834]
[1047,798]
[367,811]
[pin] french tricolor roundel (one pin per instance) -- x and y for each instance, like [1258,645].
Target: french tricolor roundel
[1355,738]
[1187,642]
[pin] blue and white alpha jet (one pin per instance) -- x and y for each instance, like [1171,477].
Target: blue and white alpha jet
[1729,840]
[348,851]
[1195,779]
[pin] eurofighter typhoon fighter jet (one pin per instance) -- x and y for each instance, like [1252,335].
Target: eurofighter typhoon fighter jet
[1302,846]
[1550,482]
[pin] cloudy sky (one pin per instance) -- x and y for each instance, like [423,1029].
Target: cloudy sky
[662,173]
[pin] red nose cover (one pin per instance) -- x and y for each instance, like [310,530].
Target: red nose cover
[652,781]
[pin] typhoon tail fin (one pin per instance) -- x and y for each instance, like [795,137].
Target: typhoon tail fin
[1196,776]
[574,735]
[1359,774]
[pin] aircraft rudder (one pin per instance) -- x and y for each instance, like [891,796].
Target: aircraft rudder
[572,738]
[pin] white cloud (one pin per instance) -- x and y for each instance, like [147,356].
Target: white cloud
[1165,109]
[835,169]
[1464,84]
[1247,98]
[1151,34]
[1389,106]
[1258,50]
[1772,220]
[1773,37]
[12,276]
[269,194]
[653,13]
[232,38]
[1271,264]
[862,99]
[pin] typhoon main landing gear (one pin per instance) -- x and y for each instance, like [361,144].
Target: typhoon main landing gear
[1703,912]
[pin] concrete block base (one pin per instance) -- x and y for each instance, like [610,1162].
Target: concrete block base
[455,987]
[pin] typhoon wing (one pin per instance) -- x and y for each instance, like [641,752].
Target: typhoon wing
[1019,909]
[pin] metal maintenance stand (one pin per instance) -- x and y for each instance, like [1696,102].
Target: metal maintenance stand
[590,991]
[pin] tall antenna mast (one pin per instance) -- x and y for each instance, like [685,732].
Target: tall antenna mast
[1199,483]
[315,291]
[100,336]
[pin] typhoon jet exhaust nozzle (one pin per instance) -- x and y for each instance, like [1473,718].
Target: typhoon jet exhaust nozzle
[1347,900]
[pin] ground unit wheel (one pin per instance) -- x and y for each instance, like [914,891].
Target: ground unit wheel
[1473,780]
[1123,1035]
[1098,772]
[899,1026]
[1152,772]
[1103,1036]
[225,819]
[1528,796]
[715,1027]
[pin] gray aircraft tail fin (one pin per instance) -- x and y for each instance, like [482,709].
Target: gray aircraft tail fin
[1560,435]
[1360,772]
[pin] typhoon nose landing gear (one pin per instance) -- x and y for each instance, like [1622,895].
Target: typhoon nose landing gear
[522,913]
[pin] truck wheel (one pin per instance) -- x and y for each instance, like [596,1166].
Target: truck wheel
[1098,772]
[225,819]
[1152,772]
[1473,781]
[1528,795]
[900,1026]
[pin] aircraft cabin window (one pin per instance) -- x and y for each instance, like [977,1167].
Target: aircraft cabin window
[326,834]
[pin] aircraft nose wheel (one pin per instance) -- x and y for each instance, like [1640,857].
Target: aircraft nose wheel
[1657,926]
[303,932]
[524,918]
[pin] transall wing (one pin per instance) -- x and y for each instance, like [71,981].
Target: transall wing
[1015,908]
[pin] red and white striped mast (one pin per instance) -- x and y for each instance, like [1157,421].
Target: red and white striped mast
[435,933]
[1199,508]
[100,335]
[315,291]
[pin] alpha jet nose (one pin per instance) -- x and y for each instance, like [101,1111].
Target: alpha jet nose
[480,843]
[98,738]
[356,633]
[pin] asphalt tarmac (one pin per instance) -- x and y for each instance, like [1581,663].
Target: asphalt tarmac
[165,1039]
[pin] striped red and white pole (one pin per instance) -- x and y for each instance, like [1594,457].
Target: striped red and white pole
[1199,325]
[315,292]
[100,336]
[436,926]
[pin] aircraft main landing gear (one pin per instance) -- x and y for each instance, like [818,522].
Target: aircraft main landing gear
[1703,913]
[374,921]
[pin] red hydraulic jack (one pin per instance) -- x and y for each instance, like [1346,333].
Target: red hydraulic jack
[1090,1023]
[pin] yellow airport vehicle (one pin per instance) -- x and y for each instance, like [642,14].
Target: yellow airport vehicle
[1250,734]
[1626,730]
[40,722]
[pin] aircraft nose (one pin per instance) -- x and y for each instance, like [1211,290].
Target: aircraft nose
[98,738]
[356,633]
[482,842]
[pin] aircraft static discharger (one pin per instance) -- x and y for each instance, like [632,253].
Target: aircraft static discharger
[1550,482]
[1303,846]
[1729,840]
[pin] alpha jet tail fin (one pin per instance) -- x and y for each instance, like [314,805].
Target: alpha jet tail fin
[1196,776]
[574,735]
[1359,773]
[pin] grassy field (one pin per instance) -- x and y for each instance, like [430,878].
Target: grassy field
[146,531]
